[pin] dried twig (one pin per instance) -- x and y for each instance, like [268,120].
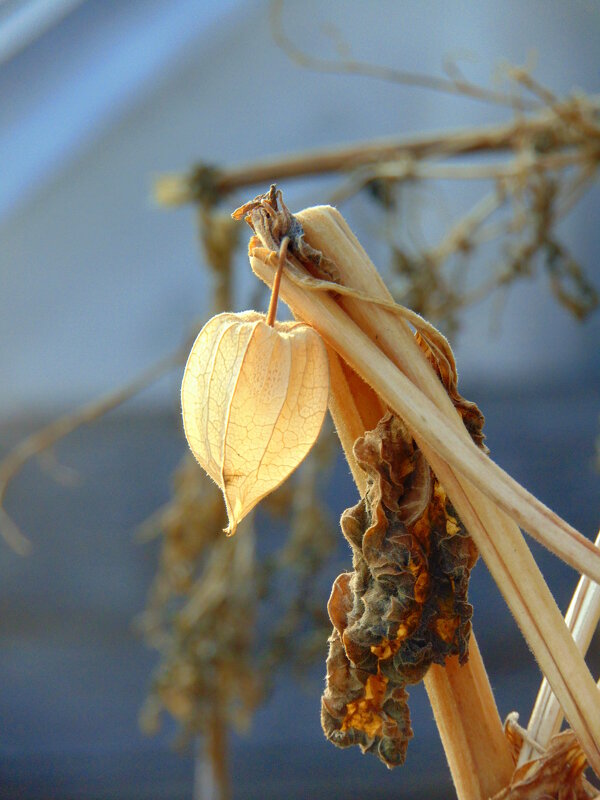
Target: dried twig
[542,131]
[582,619]
[43,439]
[456,85]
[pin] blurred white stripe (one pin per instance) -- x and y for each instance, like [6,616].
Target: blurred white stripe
[21,22]
[56,102]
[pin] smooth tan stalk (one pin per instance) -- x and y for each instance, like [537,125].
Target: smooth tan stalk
[445,442]
[352,416]
[446,435]
[470,728]
[582,619]
[537,519]
[463,704]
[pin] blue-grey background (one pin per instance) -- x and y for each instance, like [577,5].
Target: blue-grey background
[96,284]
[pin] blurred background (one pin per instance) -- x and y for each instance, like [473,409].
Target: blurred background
[100,97]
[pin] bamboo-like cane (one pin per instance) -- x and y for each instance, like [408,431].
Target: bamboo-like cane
[582,619]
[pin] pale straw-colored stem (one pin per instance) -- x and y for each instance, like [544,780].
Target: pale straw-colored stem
[382,350]
[582,619]
[324,225]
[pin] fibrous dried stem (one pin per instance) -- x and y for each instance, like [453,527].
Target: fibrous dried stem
[455,83]
[536,518]
[45,438]
[382,350]
[582,619]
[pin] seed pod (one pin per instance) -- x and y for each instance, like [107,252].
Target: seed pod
[253,397]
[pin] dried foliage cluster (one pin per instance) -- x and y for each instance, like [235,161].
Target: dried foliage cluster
[209,590]
[375,362]
[549,158]
[404,605]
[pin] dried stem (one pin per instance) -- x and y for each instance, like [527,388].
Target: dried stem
[457,85]
[582,619]
[45,438]
[465,712]
[537,519]
[272,312]
[503,137]
[211,774]
[375,344]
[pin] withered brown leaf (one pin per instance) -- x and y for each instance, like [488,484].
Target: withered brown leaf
[404,606]
[557,774]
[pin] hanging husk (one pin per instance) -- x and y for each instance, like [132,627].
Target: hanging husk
[253,397]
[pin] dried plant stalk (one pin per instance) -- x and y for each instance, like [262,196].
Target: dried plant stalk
[381,349]
[465,712]
[207,182]
[582,619]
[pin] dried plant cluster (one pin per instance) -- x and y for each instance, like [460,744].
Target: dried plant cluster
[430,499]
[550,159]
[404,606]
[365,702]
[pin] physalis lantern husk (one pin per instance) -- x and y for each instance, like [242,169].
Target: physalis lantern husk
[253,397]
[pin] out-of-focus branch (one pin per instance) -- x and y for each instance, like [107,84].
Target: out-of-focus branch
[545,132]
[45,438]
[455,83]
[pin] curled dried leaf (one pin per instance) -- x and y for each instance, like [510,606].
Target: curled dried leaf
[253,397]
[404,606]
[558,773]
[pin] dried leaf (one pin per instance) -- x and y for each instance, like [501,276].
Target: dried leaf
[253,398]
[404,606]
[557,774]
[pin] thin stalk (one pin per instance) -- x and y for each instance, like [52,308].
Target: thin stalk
[582,619]
[272,313]
[211,774]
[40,441]
[501,137]
[455,83]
